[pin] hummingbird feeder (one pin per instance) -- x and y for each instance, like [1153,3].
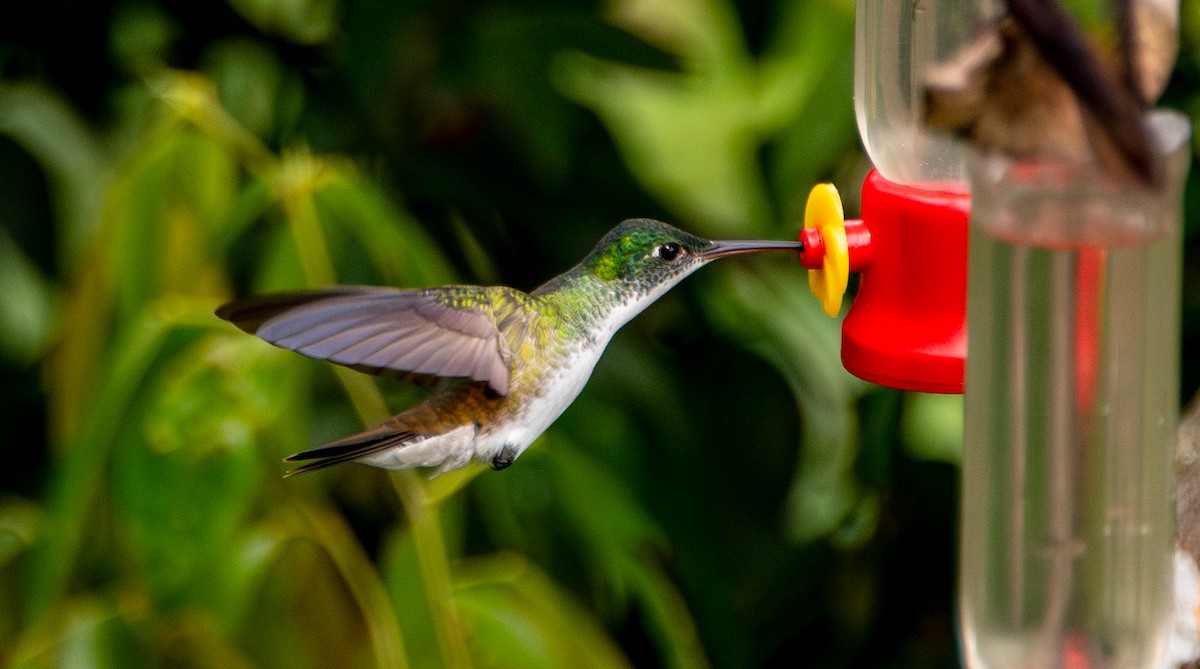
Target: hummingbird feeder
[907,326]
[1072,301]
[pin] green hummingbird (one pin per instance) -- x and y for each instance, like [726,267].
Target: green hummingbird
[504,364]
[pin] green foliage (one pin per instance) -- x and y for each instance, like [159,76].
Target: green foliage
[693,136]
[722,494]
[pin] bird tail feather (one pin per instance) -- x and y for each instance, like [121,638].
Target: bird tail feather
[350,448]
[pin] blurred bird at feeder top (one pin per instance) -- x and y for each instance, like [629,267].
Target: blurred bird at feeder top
[1034,83]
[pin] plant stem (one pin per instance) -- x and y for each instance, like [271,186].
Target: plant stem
[363,581]
[435,568]
[300,176]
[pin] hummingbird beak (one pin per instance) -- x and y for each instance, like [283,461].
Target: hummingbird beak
[719,249]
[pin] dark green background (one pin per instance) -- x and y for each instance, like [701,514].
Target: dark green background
[722,493]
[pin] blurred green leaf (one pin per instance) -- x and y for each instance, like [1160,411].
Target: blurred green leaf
[89,632]
[611,538]
[184,490]
[933,427]
[253,85]
[246,565]
[76,488]
[20,522]
[521,618]
[401,571]
[248,207]
[363,582]
[299,21]
[90,638]
[433,564]
[163,201]
[774,315]
[142,35]
[303,615]
[689,138]
[27,304]
[620,536]
[399,249]
[808,93]
[68,152]
[694,136]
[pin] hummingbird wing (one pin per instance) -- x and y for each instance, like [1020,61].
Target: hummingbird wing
[446,332]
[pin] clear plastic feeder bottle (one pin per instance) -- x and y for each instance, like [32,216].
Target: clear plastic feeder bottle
[1071,408]
[895,42]
[1072,299]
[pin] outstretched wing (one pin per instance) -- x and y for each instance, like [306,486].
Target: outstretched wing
[434,332]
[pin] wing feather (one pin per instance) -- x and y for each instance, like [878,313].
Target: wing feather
[419,358]
[362,347]
[333,336]
[470,358]
[435,332]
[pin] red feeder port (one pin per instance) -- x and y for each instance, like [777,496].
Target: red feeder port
[907,326]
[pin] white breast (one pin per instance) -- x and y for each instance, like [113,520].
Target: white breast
[558,391]
[563,386]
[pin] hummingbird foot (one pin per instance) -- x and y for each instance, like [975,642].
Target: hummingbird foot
[505,457]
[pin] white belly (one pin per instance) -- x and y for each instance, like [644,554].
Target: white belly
[558,392]
[454,449]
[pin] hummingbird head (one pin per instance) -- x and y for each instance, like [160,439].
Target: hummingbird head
[641,255]
[641,258]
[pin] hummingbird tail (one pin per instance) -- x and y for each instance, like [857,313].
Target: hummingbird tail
[351,448]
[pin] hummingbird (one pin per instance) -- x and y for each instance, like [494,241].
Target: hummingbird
[504,364]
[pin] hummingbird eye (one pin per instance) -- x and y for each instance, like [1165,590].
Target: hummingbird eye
[668,252]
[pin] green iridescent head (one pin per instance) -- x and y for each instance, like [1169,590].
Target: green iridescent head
[641,253]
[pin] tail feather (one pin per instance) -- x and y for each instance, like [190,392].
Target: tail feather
[347,449]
